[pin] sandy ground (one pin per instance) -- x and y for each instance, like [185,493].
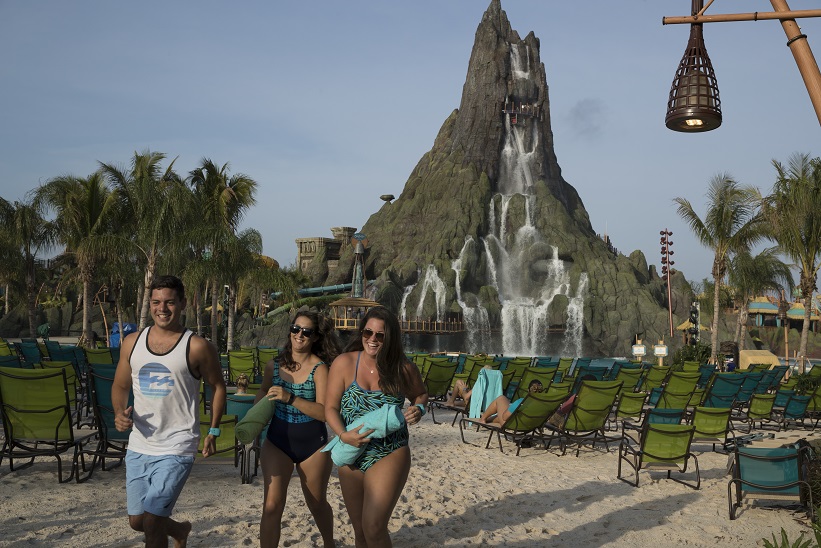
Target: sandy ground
[457,495]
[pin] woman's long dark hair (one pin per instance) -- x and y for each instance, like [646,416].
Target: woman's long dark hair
[326,345]
[391,359]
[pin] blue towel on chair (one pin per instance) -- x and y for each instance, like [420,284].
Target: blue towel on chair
[487,388]
[383,421]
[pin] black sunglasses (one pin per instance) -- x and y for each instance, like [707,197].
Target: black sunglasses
[368,333]
[306,331]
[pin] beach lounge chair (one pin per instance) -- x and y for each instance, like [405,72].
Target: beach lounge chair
[655,377]
[239,362]
[630,377]
[438,380]
[760,409]
[29,353]
[11,360]
[794,411]
[682,381]
[75,391]
[238,405]
[629,407]
[769,473]
[522,424]
[588,416]
[722,390]
[707,371]
[748,387]
[111,443]
[36,414]
[544,375]
[98,355]
[227,443]
[659,447]
[516,369]
[712,425]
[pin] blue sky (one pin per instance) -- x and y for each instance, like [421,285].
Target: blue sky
[330,104]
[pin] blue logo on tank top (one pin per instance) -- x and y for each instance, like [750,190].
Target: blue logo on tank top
[156,380]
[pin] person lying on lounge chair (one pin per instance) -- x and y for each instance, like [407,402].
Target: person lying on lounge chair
[501,408]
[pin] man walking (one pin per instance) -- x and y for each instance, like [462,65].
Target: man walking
[163,364]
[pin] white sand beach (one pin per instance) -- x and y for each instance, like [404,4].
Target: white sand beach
[457,495]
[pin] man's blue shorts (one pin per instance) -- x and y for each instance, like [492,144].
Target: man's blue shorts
[153,483]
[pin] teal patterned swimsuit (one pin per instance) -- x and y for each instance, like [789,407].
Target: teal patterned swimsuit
[355,402]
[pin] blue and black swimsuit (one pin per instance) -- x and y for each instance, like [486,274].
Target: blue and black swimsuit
[355,402]
[292,431]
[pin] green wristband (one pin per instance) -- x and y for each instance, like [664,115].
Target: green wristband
[421,407]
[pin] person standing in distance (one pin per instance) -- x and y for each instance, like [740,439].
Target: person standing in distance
[163,364]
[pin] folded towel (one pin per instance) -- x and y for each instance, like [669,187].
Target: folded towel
[255,420]
[383,421]
[488,387]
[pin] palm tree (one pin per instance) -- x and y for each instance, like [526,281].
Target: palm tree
[84,209]
[151,202]
[793,214]
[753,275]
[31,234]
[730,225]
[11,260]
[221,202]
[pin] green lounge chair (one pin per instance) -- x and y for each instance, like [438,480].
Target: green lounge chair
[588,417]
[760,409]
[712,425]
[523,424]
[36,413]
[437,380]
[227,443]
[659,447]
[241,362]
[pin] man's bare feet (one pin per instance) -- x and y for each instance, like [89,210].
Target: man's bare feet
[184,530]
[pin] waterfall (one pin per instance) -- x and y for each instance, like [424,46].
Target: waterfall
[575,320]
[527,282]
[477,324]
[403,314]
[434,283]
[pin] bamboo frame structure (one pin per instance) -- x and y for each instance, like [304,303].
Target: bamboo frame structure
[796,41]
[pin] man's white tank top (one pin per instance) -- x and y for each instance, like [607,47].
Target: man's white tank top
[166,399]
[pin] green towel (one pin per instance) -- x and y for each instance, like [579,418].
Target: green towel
[255,420]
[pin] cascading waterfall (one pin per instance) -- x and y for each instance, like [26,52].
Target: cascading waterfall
[403,314]
[432,282]
[575,320]
[525,298]
[477,324]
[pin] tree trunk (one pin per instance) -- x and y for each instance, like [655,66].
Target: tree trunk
[6,304]
[198,310]
[805,330]
[232,306]
[742,338]
[87,304]
[31,297]
[738,324]
[714,334]
[149,276]
[214,311]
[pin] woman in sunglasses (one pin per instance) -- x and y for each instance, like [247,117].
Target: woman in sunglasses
[297,380]
[371,373]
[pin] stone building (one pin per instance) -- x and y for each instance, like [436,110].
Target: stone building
[309,248]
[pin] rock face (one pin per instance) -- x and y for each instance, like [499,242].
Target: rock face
[487,228]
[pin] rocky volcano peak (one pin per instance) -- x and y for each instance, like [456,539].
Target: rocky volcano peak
[487,229]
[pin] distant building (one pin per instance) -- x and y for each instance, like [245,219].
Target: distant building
[309,248]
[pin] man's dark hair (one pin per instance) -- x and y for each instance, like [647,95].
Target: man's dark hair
[168,282]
